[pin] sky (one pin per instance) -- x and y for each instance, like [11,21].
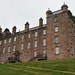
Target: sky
[18,12]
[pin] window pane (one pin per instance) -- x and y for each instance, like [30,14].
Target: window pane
[27,54]
[35,34]
[55,19]
[28,45]
[28,35]
[44,42]
[9,49]
[56,39]
[56,29]
[4,41]
[21,56]
[3,50]
[44,53]
[14,38]
[57,50]
[22,37]
[44,32]
[2,58]
[14,48]
[35,53]
[7,57]
[35,44]
[21,46]
[10,40]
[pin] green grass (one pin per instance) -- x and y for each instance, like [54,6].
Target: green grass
[48,67]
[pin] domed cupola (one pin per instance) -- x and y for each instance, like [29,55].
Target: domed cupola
[64,7]
[49,12]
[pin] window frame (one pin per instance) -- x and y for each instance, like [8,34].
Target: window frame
[56,39]
[56,29]
[57,50]
[44,32]
[44,42]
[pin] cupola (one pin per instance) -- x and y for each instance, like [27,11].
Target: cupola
[64,7]
[49,12]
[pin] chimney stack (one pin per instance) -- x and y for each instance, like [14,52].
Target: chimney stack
[26,26]
[0,30]
[14,30]
[40,22]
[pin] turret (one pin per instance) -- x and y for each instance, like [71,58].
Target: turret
[49,12]
[64,7]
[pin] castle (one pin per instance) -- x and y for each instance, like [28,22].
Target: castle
[53,40]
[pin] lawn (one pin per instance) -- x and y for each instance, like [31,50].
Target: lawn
[48,67]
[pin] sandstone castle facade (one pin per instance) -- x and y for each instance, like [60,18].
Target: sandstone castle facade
[53,40]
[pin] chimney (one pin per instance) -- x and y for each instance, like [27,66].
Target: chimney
[0,30]
[26,26]
[14,30]
[40,22]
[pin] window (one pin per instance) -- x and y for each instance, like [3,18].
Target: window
[10,40]
[22,37]
[57,50]
[9,49]
[35,34]
[4,50]
[14,48]
[44,53]
[35,44]
[14,38]
[56,39]
[21,56]
[56,29]
[27,54]
[28,35]
[7,57]
[0,42]
[2,58]
[44,42]
[13,56]
[55,19]
[4,41]
[21,46]
[35,53]
[44,32]
[28,45]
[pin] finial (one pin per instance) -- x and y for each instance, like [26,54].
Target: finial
[64,3]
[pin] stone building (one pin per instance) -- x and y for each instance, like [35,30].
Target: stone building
[53,40]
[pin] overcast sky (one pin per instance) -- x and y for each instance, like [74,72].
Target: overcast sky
[18,12]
